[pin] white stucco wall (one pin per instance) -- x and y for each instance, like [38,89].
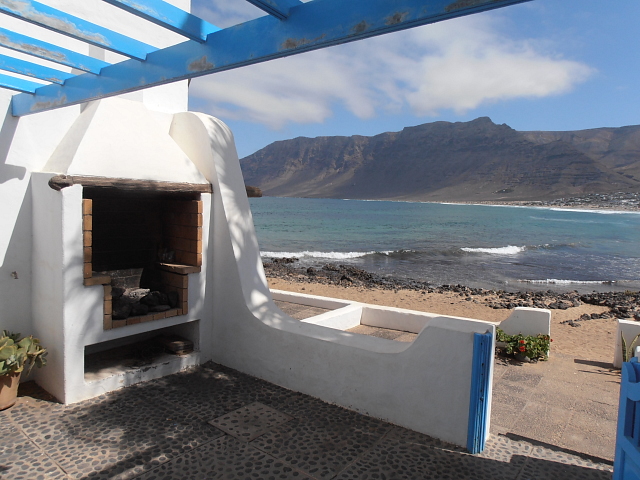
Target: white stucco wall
[424,385]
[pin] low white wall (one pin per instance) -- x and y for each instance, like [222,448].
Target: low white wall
[424,385]
[527,321]
[341,319]
[398,318]
[629,328]
[310,300]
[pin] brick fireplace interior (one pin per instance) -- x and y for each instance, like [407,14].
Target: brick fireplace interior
[141,245]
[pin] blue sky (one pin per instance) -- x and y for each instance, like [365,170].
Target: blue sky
[541,65]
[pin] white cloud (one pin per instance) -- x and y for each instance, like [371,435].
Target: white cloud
[454,65]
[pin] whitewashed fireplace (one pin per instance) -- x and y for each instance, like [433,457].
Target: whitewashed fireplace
[117,165]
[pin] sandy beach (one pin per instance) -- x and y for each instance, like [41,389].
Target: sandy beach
[592,340]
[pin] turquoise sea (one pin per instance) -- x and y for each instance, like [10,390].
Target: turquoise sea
[511,248]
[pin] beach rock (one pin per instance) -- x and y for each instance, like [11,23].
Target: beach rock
[285,260]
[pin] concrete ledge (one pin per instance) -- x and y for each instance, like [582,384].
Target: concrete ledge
[310,300]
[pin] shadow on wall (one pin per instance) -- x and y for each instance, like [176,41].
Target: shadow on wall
[9,126]
[15,272]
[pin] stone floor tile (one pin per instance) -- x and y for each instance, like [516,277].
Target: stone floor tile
[248,423]
[506,450]
[541,468]
[9,434]
[212,391]
[542,422]
[595,408]
[20,459]
[304,407]
[522,378]
[507,390]
[596,442]
[404,435]
[504,414]
[115,436]
[391,459]
[320,449]
[561,455]
[224,459]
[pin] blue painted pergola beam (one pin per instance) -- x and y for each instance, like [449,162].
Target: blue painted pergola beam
[48,51]
[170,17]
[34,70]
[17,84]
[277,8]
[62,22]
[310,26]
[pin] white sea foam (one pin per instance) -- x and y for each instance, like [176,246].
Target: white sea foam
[508,250]
[330,255]
[555,281]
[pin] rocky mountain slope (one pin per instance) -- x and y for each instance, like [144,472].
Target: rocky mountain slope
[442,161]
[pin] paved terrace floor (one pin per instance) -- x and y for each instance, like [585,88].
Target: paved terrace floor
[216,423]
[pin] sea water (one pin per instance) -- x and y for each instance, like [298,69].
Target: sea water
[511,248]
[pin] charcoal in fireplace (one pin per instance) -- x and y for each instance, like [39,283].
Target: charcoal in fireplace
[139,309]
[121,308]
[155,298]
[173,299]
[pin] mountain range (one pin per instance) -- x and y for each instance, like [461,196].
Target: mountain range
[443,161]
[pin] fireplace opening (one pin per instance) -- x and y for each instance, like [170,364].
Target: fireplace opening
[139,353]
[141,245]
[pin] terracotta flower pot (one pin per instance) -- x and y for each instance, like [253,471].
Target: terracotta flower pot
[9,389]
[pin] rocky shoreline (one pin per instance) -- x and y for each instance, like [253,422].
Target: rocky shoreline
[620,304]
[620,201]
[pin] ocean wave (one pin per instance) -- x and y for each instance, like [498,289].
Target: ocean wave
[555,281]
[508,250]
[329,255]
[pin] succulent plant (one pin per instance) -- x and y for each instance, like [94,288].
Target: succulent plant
[17,353]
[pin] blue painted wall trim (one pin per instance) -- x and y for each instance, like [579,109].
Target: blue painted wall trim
[62,22]
[310,26]
[49,51]
[480,391]
[626,465]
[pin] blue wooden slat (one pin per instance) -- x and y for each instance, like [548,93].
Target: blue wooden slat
[479,399]
[34,70]
[61,22]
[277,8]
[168,16]
[18,84]
[311,26]
[626,464]
[48,51]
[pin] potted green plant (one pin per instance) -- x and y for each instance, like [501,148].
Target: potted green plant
[15,354]
[524,348]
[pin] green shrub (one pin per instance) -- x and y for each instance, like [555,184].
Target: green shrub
[17,353]
[535,347]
